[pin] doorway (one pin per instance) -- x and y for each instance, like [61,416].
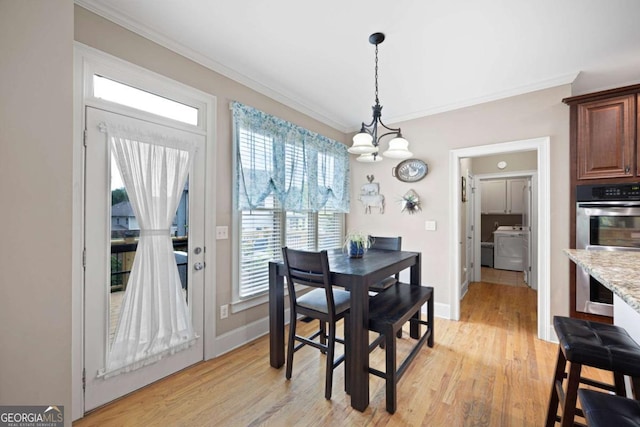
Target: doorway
[149,100]
[504,232]
[541,147]
[144,292]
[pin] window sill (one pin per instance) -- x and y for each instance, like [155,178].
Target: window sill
[246,304]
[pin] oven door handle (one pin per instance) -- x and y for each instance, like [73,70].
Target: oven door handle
[591,210]
[611,248]
[609,205]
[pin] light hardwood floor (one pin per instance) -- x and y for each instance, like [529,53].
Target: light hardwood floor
[488,369]
[502,277]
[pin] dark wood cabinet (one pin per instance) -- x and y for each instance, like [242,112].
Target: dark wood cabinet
[604,148]
[606,138]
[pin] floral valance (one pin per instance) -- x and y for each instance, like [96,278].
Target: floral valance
[304,171]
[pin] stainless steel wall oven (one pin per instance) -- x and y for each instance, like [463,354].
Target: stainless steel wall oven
[607,219]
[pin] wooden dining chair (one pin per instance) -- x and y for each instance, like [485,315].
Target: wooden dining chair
[323,303]
[389,244]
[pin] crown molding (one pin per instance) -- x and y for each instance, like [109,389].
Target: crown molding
[520,90]
[289,100]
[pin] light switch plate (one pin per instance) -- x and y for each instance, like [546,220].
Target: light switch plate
[222,232]
[430,225]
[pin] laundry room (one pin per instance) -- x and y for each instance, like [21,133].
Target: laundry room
[504,230]
[505,219]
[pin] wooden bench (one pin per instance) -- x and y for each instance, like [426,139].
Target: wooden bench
[388,311]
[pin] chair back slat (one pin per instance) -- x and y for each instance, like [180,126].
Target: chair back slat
[386,243]
[308,269]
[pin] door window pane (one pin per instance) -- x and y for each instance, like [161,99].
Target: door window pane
[125,233]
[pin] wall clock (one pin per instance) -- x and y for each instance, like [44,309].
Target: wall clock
[410,170]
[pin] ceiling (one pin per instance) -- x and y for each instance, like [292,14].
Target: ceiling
[438,55]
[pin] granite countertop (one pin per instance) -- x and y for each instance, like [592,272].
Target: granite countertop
[619,271]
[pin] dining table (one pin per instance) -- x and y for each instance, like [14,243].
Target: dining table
[356,275]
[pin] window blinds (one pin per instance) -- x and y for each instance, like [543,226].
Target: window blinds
[292,189]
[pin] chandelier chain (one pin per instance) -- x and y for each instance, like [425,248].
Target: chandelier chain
[376,76]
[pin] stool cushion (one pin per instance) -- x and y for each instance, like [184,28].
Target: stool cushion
[598,344]
[601,409]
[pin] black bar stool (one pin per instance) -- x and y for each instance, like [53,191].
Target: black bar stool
[605,410]
[594,344]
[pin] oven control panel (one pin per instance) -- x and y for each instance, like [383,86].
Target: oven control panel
[618,192]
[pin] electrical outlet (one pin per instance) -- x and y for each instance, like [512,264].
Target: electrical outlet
[222,232]
[224,311]
[430,225]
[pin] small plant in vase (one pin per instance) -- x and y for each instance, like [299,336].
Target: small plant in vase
[356,244]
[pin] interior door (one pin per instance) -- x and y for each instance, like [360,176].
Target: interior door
[110,246]
[526,231]
[470,241]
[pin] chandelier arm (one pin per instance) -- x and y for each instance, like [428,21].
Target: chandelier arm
[388,133]
[396,130]
[370,125]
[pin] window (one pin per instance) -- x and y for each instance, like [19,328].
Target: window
[291,190]
[130,96]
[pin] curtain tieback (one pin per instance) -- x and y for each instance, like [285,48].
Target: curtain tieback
[155,232]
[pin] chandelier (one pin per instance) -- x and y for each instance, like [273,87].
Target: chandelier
[366,142]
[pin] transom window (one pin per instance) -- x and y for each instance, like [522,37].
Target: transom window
[130,96]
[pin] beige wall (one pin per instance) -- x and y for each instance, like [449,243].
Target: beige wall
[525,161]
[527,116]
[36,83]
[108,37]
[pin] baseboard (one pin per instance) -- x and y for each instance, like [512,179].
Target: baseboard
[439,310]
[551,333]
[464,289]
[244,335]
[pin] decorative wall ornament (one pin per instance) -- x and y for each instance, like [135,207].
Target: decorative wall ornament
[410,170]
[370,196]
[410,202]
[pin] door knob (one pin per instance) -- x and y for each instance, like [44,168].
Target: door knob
[198,266]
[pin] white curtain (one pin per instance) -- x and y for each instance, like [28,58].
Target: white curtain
[154,320]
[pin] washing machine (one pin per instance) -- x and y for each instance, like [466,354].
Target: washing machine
[508,250]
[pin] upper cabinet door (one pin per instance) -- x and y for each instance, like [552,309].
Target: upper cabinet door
[637,136]
[605,139]
[515,195]
[494,197]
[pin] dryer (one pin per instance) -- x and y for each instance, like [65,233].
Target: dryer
[509,248]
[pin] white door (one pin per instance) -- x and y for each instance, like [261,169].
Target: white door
[526,230]
[470,241]
[110,250]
